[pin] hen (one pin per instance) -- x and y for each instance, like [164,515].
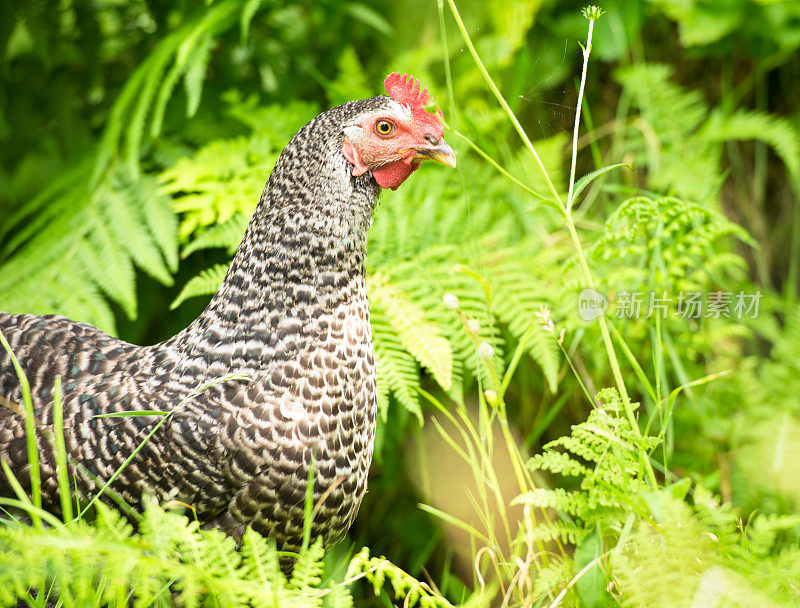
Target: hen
[291,320]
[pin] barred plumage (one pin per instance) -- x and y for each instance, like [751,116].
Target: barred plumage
[291,319]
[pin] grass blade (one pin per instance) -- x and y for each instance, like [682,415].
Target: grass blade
[30,433]
[587,179]
[62,472]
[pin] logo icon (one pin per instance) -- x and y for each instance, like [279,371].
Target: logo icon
[591,304]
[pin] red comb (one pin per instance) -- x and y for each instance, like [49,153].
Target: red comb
[407,90]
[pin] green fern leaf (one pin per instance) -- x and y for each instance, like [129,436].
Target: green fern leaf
[226,235]
[206,283]
[395,367]
[122,212]
[111,267]
[307,571]
[195,74]
[399,372]
[742,125]
[161,221]
[421,338]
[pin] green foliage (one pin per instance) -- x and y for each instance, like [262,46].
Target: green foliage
[725,568]
[766,26]
[379,571]
[169,560]
[602,454]
[681,141]
[136,137]
[647,535]
[183,54]
[223,181]
[668,244]
[85,245]
[205,283]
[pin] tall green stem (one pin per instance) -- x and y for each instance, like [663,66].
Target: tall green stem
[586,50]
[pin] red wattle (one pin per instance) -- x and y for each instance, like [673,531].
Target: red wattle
[391,175]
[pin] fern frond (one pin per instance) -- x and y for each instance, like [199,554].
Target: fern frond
[123,214]
[772,130]
[196,61]
[113,269]
[557,462]
[168,561]
[559,499]
[226,235]
[396,368]
[183,52]
[207,282]
[668,244]
[222,180]
[87,243]
[307,575]
[559,530]
[260,560]
[602,453]
[420,337]
[378,570]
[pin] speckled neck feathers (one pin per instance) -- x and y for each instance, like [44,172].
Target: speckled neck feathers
[306,238]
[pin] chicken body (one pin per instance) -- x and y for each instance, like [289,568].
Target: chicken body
[291,319]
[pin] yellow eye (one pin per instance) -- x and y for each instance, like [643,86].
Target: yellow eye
[384,127]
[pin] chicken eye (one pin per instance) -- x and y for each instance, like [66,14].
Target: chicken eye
[384,127]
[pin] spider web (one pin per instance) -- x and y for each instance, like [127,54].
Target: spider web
[552,99]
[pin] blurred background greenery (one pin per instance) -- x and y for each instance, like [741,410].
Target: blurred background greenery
[136,136]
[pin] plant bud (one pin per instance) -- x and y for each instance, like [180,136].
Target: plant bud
[485,351]
[451,301]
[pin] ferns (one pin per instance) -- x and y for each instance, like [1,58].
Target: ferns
[602,453]
[760,126]
[648,533]
[653,570]
[396,368]
[86,244]
[422,339]
[680,141]
[184,53]
[668,244]
[224,180]
[378,570]
[169,561]
[207,282]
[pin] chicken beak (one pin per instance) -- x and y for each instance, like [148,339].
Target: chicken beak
[441,153]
